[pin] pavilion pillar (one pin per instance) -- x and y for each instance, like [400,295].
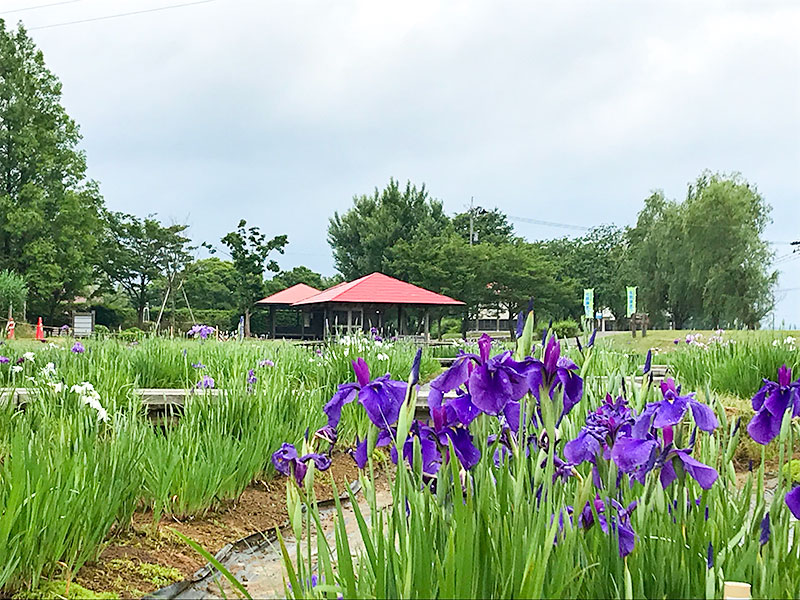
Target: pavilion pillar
[272,321]
[400,319]
[427,326]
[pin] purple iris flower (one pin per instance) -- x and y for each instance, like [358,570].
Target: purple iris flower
[266,363]
[647,362]
[637,457]
[520,325]
[491,382]
[450,422]
[770,404]
[614,418]
[206,383]
[198,365]
[288,462]
[429,447]
[620,523]
[385,437]
[670,411]
[327,434]
[765,530]
[4,360]
[201,331]
[77,348]
[251,377]
[792,500]
[710,556]
[413,378]
[381,397]
[592,338]
[556,372]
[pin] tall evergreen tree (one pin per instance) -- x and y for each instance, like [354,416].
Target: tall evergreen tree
[49,211]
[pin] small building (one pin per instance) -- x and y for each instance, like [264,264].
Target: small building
[375,300]
[282,302]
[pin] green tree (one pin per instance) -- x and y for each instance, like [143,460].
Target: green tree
[725,218]
[362,237]
[596,260]
[138,252]
[49,212]
[488,226]
[13,292]
[208,283]
[250,249]
[301,274]
[703,262]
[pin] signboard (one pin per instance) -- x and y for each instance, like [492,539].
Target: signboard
[588,303]
[82,324]
[631,301]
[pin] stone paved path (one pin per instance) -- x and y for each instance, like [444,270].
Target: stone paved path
[260,569]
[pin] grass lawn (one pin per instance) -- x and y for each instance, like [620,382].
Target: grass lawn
[663,339]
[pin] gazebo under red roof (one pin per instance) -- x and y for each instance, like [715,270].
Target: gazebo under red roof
[378,288]
[296,293]
[375,300]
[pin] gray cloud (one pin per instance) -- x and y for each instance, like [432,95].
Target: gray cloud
[280,112]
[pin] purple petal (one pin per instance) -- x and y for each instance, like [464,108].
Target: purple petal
[792,500]
[670,411]
[284,458]
[627,539]
[485,347]
[777,401]
[573,389]
[631,453]
[536,378]
[344,395]
[761,395]
[703,416]
[703,474]
[382,399]
[551,354]
[667,475]
[490,389]
[321,461]
[764,427]
[466,411]
[765,529]
[784,376]
[468,454]
[668,385]
[642,425]
[583,448]
[362,371]
[434,397]
[511,414]
[455,376]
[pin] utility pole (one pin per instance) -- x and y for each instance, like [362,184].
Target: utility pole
[471,212]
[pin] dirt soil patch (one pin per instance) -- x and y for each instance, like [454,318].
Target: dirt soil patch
[144,558]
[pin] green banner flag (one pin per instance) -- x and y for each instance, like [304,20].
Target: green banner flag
[588,303]
[631,300]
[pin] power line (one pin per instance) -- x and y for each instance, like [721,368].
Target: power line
[16,10]
[550,223]
[120,15]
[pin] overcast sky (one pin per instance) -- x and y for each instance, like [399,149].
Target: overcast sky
[573,112]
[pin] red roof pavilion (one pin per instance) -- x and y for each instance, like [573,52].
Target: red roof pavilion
[296,293]
[378,288]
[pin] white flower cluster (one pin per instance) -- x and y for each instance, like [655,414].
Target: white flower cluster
[90,396]
[382,356]
[789,341]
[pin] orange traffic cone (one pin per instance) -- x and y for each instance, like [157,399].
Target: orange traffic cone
[40,330]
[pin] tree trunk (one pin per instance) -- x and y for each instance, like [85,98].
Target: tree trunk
[247,323]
